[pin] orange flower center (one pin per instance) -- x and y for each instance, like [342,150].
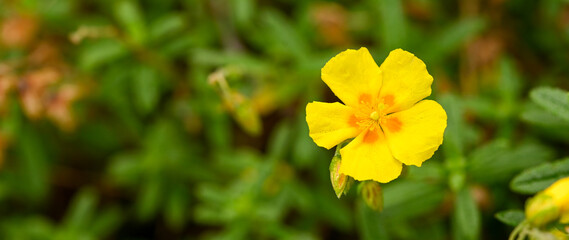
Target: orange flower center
[373,114]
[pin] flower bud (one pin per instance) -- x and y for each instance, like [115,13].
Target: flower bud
[340,182]
[372,195]
[246,115]
[550,205]
[541,210]
[559,191]
[241,108]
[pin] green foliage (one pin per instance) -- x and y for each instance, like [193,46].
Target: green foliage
[186,119]
[549,111]
[33,168]
[553,100]
[371,224]
[451,37]
[497,162]
[538,178]
[511,217]
[393,24]
[81,221]
[466,218]
[129,15]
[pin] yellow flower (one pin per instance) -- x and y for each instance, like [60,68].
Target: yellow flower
[383,111]
[550,204]
[559,191]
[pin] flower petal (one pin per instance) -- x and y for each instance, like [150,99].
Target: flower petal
[416,133]
[330,123]
[559,191]
[352,75]
[405,81]
[368,157]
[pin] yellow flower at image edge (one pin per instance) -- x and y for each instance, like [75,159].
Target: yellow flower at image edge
[550,204]
[560,194]
[384,111]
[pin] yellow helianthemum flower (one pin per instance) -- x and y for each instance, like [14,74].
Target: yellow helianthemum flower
[383,111]
[559,191]
[550,204]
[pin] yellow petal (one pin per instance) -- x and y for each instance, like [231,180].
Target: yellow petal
[559,191]
[330,123]
[368,157]
[405,81]
[416,133]
[352,75]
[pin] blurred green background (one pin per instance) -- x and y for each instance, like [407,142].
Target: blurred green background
[142,119]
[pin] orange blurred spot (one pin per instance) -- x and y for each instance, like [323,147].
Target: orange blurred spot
[18,31]
[45,53]
[59,109]
[393,124]
[353,121]
[388,100]
[365,98]
[331,20]
[371,136]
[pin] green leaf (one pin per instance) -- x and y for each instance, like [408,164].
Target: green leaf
[536,115]
[34,178]
[538,178]
[115,87]
[244,11]
[81,211]
[406,199]
[455,134]
[106,222]
[214,58]
[148,199]
[511,217]
[393,24]
[129,15]
[334,212]
[146,87]
[553,100]
[456,179]
[497,162]
[213,208]
[125,168]
[303,151]
[100,53]
[12,122]
[288,40]
[280,140]
[466,217]
[178,46]
[35,227]
[302,197]
[166,26]
[235,162]
[176,210]
[429,171]
[57,12]
[510,81]
[370,223]
[451,38]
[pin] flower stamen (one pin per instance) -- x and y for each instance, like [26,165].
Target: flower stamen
[374,116]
